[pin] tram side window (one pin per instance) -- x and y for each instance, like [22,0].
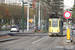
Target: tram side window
[60,23]
[50,24]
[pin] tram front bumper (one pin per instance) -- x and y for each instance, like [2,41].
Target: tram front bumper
[54,33]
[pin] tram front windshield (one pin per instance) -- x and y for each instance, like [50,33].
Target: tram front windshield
[54,23]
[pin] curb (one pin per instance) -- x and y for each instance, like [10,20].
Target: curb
[3,34]
[66,43]
[9,39]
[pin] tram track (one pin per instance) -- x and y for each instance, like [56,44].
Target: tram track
[33,42]
[22,41]
[31,47]
[54,43]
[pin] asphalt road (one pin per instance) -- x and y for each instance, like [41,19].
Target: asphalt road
[40,41]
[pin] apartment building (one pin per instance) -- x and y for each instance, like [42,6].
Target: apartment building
[68,4]
[64,4]
[17,2]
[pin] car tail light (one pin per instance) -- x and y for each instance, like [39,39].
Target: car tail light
[16,28]
[72,30]
[11,28]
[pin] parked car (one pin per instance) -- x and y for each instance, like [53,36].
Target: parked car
[73,31]
[14,28]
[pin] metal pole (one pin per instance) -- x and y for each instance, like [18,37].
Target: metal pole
[34,20]
[39,17]
[42,17]
[46,18]
[28,17]
[22,15]
[36,16]
[68,39]
[67,24]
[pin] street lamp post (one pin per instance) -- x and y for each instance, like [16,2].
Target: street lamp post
[22,15]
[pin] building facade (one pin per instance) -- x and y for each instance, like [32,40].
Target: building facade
[17,2]
[68,4]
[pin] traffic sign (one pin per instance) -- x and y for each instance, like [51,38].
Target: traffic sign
[67,14]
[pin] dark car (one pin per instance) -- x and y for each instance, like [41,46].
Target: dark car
[73,31]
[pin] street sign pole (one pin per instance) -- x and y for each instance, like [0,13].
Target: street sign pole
[67,24]
[67,15]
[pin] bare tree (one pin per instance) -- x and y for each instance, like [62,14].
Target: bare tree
[55,6]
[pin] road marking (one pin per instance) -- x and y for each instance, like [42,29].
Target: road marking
[38,40]
[66,47]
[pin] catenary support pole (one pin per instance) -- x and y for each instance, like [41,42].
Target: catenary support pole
[28,17]
[36,16]
[39,17]
[22,15]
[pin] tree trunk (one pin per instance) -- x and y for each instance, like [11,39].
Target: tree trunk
[10,22]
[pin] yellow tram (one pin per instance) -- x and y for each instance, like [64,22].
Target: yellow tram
[55,26]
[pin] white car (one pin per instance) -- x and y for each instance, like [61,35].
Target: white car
[14,28]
